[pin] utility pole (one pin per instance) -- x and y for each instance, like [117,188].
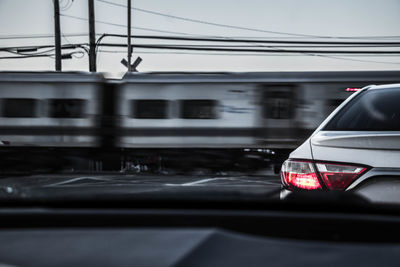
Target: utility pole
[92,38]
[131,67]
[129,37]
[57,34]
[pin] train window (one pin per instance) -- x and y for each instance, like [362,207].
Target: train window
[199,109]
[278,104]
[149,109]
[19,107]
[67,108]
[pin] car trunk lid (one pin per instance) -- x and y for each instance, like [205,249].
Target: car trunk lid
[376,149]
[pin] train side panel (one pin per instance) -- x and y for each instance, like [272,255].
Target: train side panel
[188,115]
[48,111]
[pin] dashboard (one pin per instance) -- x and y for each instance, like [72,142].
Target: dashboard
[195,237]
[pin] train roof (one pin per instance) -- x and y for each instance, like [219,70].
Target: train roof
[50,76]
[262,77]
[206,77]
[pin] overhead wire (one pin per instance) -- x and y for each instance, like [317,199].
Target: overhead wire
[224,39]
[323,44]
[30,53]
[39,36]
[124,26]
[219,39]
[310,53]
[276,48]
[210,48]
[22,56]
[360,60]
[65,46]
[33,54]
[253,53]
[232,40]
[81,46]
[247,38]
[249,54]
[67,6]
[239,27]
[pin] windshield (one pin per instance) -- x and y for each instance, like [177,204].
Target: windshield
[191,99]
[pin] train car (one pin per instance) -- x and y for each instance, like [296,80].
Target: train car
[51,109]
[276,110]
[271,110]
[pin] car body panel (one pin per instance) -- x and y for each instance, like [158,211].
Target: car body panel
[381,189]
[303,151]
[366,149]
[357,139]
[380,150]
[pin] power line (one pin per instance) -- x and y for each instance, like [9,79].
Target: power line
[124,26]
[276,47]
[68,55]
[199,53]
[39,36]
[288,44]
[221,39]
[68,5]
[238,27]
[232,40]
[31,53]
[360,60]
[191,53]
[295,46]
[195,53]
[65,46]
[224,39]
[249,54]
[210,48]
[30,56]
[235,54]
[279,47]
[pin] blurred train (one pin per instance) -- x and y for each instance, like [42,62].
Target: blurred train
[274,110]
[271,110]
[50,109]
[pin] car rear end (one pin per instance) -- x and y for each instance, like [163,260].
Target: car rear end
[357,148]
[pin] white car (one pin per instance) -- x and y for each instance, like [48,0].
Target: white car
[357,148]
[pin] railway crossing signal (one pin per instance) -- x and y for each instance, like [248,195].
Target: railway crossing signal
[134,65]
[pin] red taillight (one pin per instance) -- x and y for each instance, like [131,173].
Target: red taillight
[339,176]
[300,174]
[352,89]
[303,175]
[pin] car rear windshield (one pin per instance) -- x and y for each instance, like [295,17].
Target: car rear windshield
[373,110]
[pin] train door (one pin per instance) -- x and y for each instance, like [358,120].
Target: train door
[278,108]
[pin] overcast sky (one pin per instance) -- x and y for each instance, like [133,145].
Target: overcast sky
[309,17]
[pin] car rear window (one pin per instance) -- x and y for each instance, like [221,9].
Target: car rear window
[373,110]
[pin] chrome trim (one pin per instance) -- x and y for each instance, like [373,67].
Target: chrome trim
[284,193]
